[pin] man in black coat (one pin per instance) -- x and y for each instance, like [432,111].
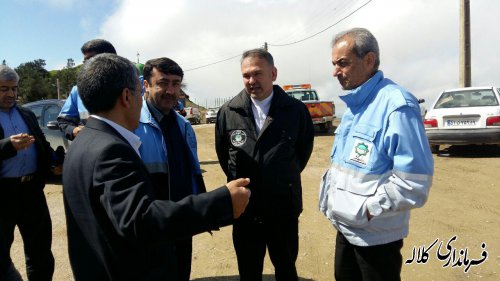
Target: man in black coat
[267,136]
[25,161]
[115,224]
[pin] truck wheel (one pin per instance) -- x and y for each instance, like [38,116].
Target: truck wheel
[434,148]
[326,127]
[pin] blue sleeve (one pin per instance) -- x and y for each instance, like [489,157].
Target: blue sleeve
[69,117]
[180,106]
[413,166]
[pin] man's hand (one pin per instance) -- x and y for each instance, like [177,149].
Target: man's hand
[368,215]
[21,141]
[77,130]
[57,170]
[239,195]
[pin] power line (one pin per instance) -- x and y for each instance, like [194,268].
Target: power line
[198,67]
[309,37]
[287,44]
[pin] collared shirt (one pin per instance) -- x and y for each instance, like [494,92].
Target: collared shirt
[261,110]
[132,139]
[25,161]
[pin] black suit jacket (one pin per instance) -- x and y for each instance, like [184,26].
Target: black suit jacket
[115,224]
[43,149]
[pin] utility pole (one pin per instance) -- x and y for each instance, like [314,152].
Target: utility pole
[265,46]
[465,44]
[137,57]
[58,92]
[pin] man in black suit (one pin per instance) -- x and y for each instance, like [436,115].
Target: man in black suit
[25,160]
[114,221]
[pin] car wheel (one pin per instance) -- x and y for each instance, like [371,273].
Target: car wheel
[434,148]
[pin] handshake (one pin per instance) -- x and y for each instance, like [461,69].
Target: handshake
[240,195]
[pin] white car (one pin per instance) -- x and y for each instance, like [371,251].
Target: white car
[464,116]
[193,115]
[211,115]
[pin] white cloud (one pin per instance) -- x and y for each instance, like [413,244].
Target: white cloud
[418,40]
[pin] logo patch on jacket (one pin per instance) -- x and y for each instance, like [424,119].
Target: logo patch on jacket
[238,138]
[361,152]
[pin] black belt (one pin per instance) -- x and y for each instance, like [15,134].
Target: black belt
[19,180]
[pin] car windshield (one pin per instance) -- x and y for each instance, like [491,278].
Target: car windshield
[469,98]
[303,95]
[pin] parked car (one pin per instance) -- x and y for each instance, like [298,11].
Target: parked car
[211,115]
[46,112]
[464,116]
[193,115]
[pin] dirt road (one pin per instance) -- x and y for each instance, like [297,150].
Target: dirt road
[464,202]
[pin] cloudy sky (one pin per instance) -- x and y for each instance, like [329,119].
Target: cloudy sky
[418,38]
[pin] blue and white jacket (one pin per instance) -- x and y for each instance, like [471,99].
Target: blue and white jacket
[153,148]
[380,162]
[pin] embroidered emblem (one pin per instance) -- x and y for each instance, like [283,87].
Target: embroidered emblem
[238,138]
[361,152]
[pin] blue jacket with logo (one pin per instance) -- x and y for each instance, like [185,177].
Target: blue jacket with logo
[380,162]
[153,148]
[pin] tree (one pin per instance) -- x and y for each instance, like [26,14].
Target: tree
[67,79]
[34,83]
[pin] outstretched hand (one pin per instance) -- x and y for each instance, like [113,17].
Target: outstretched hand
[240,195]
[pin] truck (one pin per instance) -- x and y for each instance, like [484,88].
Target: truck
[322,112]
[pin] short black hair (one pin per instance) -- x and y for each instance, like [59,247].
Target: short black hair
[164,65]
[98,46]
[102,79]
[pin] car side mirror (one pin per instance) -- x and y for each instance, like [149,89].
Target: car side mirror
[53,125]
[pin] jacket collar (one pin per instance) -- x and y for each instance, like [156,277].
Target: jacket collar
[359,95]
[242,100]
[147,117]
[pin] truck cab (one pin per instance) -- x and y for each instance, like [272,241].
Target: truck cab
[322,112]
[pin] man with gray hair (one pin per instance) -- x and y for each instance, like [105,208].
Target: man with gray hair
[25,161]
[381,164]
[115,221]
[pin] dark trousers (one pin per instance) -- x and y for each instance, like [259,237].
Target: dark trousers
[24,205]
[281,236]
[372,263]
[183,252]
